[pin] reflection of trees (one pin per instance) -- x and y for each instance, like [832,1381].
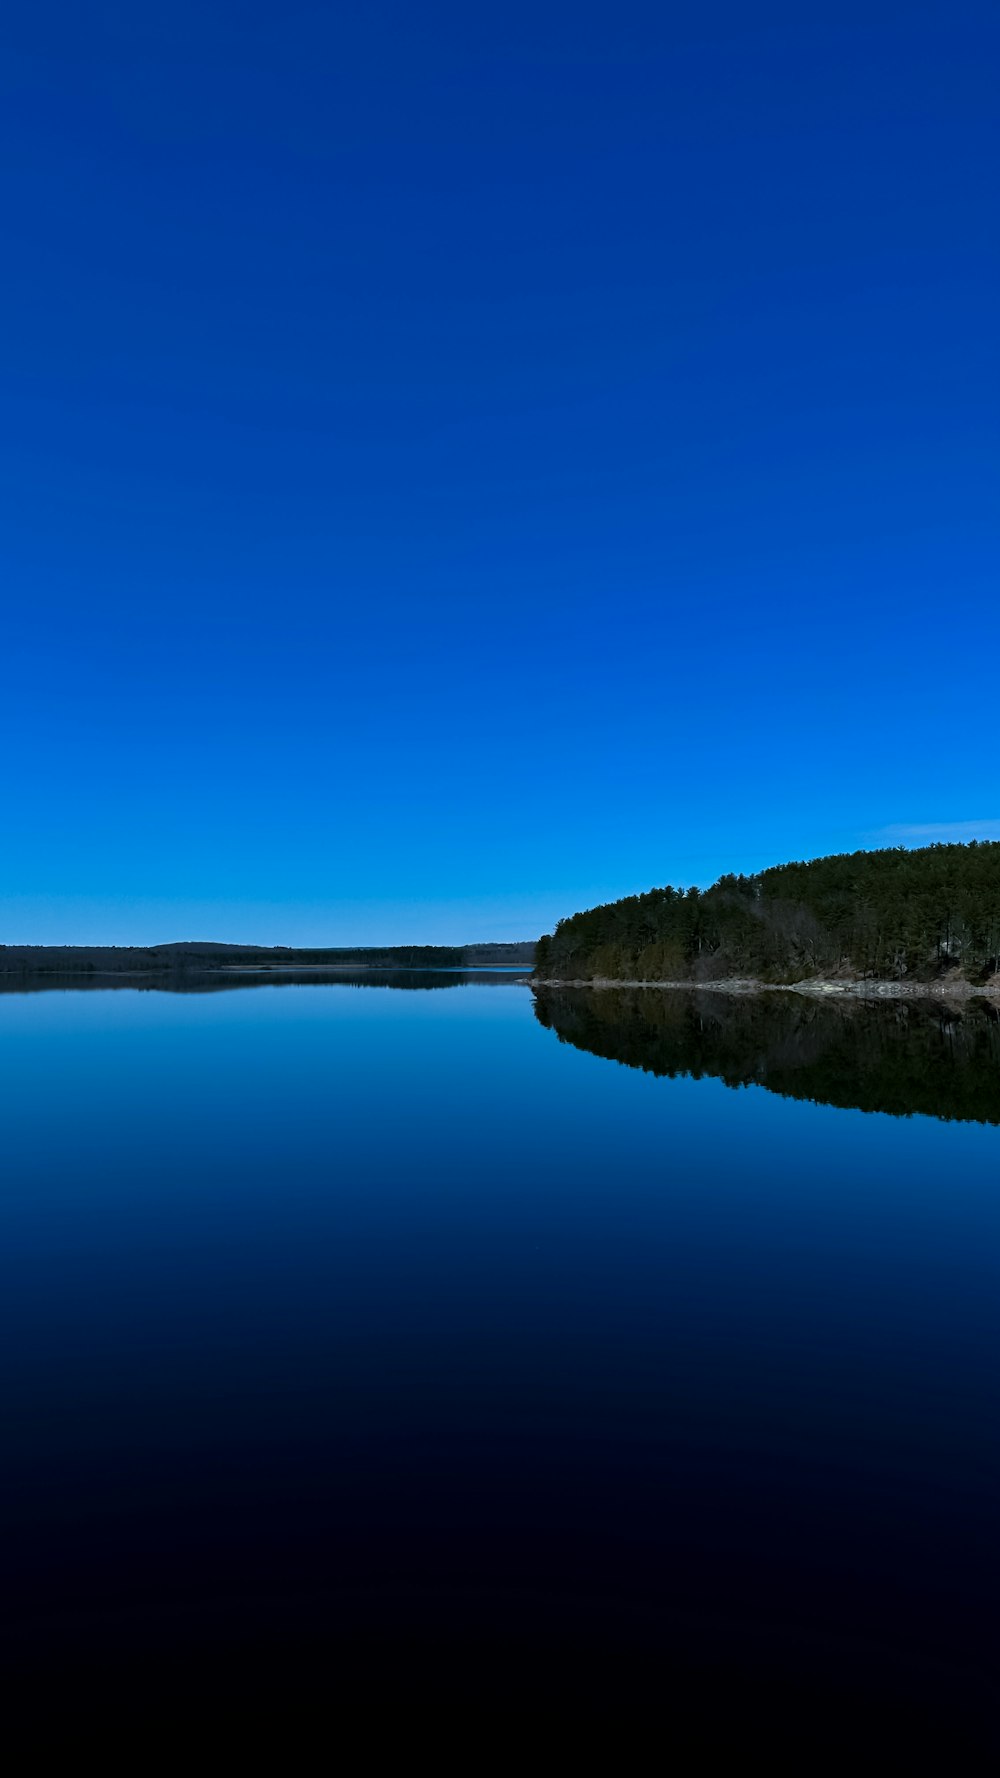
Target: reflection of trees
[900,1056]
[215,981]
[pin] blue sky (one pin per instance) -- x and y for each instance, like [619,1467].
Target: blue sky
[459,466]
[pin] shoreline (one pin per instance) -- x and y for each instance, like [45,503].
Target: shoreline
[817,988]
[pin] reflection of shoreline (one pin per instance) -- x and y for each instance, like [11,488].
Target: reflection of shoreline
[900,1054]
[816,987]
[521,971]
[230,977]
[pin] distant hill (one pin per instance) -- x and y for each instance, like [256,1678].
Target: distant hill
[206,954]
[893,914]
[212,948]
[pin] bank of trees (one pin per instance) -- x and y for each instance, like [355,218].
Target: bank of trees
[892,914]
[70,960]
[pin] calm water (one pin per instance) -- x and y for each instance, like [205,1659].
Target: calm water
[377,1343]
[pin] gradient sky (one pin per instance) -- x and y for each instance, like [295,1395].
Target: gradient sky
[462,464]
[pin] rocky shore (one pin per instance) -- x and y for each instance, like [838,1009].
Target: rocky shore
[855,990]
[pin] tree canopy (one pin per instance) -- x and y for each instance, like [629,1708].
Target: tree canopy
[892,914]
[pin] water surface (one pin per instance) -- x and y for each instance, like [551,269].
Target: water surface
[365,1342]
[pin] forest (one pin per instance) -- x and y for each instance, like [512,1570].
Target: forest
[893,914]
[190,958]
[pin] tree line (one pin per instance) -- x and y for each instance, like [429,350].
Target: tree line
[178,959]
[890,914]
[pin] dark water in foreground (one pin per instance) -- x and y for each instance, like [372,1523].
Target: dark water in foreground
[376,1349]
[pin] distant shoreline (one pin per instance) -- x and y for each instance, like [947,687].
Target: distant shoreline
[817,988]
[90,973]
[212,956]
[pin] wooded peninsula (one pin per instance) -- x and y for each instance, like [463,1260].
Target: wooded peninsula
[895,915]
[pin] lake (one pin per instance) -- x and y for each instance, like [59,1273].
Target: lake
[418,1340]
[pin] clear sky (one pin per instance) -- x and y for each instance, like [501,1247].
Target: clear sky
[460,464]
